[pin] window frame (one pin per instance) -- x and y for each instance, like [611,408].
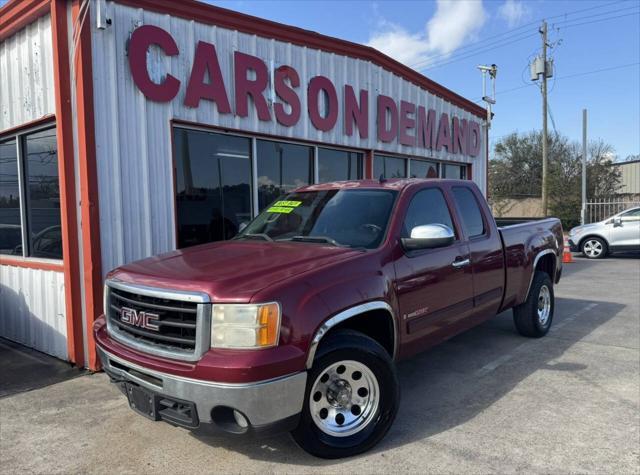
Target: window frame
[19,135]
[476,237]
[316,160]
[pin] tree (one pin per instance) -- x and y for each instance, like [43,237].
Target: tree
[516,172]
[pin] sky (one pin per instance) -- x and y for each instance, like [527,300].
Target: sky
[595,48]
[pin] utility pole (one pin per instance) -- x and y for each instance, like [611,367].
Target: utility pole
[545,191]
[584,167]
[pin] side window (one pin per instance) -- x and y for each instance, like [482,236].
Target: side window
[469,211]
[633,215]
[427,207]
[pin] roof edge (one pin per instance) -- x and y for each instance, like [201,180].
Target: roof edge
[17,14]
[213,15]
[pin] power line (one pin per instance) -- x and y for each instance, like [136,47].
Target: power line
[600,20]
[512,32]
[584,73]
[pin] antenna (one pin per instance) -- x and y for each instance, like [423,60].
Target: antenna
[490,100]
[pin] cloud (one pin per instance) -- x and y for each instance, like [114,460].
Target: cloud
[454,23]
[513,12]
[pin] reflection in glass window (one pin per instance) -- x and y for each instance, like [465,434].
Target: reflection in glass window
[10,228]
[213,191]
[457,172]
[337,165]
[282,167]
[423,169]
[389,167]
[43,194]
[469,211]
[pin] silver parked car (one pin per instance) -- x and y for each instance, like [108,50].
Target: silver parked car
[620,232]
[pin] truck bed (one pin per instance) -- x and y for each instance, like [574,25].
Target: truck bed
[522,243]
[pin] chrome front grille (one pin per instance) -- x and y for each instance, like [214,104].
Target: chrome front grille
[179,321]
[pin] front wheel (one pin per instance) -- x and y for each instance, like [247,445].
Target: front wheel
[351,399]
[534,316]
[594,248]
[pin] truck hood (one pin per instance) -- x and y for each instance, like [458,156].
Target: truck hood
[230,271]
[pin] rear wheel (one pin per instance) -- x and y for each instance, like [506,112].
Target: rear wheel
[351,399]
[533,317]
[594,248]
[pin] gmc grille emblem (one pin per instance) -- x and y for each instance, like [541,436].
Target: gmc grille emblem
[140,319]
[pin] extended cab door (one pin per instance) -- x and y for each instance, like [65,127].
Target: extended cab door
[434,286]
[485,250]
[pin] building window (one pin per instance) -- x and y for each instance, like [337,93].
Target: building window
[423,169]
[389,167]
[337,165]
[30,196]
[10,222]
[282,167]
[213,185]
[458,172]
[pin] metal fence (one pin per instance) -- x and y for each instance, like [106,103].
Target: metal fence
[602,209]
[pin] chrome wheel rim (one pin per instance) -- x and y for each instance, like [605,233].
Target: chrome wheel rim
[544,305]
[344,398]
[592,248]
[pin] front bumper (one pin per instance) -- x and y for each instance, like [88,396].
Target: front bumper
[573,246]
[265,405]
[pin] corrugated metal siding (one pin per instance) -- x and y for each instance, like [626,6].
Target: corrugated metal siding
[133,135]
[32,309]
[630,178]
[26,75]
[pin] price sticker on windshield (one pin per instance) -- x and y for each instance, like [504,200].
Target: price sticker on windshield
[280,209]
[288,204]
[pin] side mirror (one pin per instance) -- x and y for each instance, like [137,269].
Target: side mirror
[617,221]
[428,236]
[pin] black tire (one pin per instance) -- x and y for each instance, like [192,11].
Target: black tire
[594,248]
[525,316]
[341,346]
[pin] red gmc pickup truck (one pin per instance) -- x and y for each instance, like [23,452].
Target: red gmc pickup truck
[297,322]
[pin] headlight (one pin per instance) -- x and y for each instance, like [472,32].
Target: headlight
[245,325]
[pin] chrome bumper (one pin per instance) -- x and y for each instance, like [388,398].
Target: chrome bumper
[262,402]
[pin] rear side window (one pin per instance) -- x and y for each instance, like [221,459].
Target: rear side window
[469,211]
[427,207]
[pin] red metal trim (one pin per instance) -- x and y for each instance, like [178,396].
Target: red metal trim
[17,14]
[49,118]
[92,262]
[27,263]
[66,173]
[368,164]
[211,15]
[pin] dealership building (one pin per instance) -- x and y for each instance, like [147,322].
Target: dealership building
[135,127]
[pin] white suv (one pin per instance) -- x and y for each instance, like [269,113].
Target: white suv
[617,233]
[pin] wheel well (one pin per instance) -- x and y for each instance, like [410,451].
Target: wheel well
[547,263]
[376,324]
[582,240]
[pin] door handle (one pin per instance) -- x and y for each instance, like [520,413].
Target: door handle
[461,263]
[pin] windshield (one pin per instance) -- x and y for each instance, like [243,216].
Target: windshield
[353,218]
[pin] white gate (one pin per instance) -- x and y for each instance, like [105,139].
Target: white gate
[603,208]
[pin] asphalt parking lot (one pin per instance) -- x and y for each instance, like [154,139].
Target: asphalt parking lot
[486,401]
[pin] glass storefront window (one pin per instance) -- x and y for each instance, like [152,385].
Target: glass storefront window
[282,167]
[10,222]
[38,160]
[337,165]
[389,167]
[423,169]
[213,185]
[43,194]
[458,172]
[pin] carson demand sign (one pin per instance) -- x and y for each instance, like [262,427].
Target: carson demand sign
[401,121]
